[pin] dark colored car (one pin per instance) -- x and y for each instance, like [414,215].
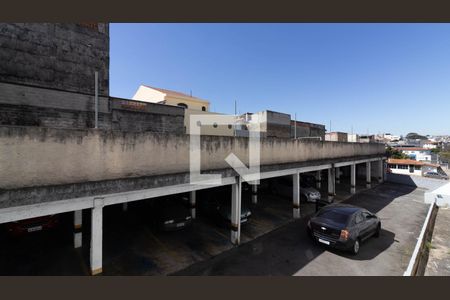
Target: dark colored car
[343,226]
[216,204]
[171,213]
[23,227]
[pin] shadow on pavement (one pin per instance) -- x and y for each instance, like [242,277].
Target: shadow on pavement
[288,249]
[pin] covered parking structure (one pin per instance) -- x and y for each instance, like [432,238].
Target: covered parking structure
[74,170]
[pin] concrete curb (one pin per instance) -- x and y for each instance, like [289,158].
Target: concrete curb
[415,261]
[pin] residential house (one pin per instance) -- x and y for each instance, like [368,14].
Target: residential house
[416,153]
[411,167]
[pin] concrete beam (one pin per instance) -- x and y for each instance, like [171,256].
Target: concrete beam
[271,174]
[331,184]
[351,162]
[319,179]
[18,213]
[236,212]
[296,195]
[353,178]
[368,175]
[254,193]
[77,228]
[192,203]
[96,253]
[380,171]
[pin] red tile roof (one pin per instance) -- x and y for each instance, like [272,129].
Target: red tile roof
[396,161]
[411,148]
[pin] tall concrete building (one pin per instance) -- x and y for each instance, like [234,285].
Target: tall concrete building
[60,56]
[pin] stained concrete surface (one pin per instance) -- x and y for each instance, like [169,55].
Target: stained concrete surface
[439,249]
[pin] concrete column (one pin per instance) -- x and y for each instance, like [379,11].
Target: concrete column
[254,193]
[192,203]
[97,237]
[125,206]
[296,195]
[331,184]
[368,175]
[384,170]
[338,175]
[236,212]
[353,178]
[319,179]
[380,171]
[77,228]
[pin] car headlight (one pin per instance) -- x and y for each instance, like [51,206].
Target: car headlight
[188,217]
[168,222]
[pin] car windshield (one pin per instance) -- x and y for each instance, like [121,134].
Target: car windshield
[335,216]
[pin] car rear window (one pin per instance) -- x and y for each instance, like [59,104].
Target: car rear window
[335,216]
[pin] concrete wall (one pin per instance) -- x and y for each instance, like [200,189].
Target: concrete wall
[55,55]
[275,124]
[305,129]
[31,106]
[336,136]
[135,116]
[34,156]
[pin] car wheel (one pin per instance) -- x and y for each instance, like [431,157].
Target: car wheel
[355,248]
[378,231]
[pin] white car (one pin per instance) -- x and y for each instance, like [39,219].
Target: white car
[283,186]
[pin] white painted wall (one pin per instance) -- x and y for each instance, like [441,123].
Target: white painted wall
[148,95]
[440,195]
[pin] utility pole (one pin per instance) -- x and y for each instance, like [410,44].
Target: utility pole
[96,99]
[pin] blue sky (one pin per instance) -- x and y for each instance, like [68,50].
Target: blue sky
[370,77]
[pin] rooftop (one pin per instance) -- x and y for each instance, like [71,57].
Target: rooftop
[409,162]
[174,93]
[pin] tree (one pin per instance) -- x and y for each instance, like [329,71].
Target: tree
[396,154]
[415,136]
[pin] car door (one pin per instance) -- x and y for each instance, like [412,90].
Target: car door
[360,225]
[370,223]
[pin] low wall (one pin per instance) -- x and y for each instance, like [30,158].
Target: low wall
[35,156]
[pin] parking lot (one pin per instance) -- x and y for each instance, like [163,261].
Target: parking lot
[289,251]
[132,246]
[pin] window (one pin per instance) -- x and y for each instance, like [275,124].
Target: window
[215,125]
[403,167]
[358,218]
[391,166]
[418,168]
[203,108]
[366,214]
[182,105]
